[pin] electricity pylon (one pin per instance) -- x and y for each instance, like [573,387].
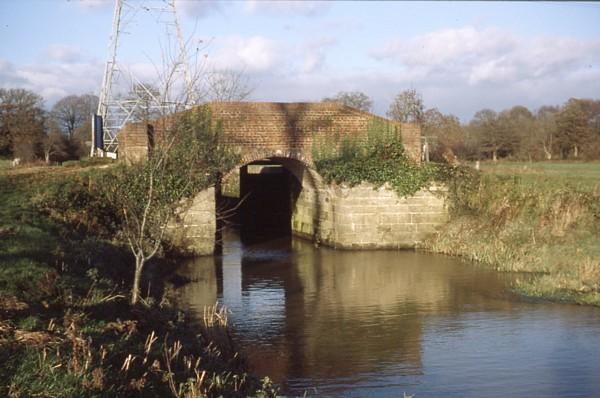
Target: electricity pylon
[117,107]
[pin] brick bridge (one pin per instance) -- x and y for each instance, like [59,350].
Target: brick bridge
[283,134]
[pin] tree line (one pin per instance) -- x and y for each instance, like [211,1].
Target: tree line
[30,132]
[567,131]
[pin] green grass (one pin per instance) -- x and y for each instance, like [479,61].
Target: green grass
[583,175]
[5,163]
[540,218]
[66,326]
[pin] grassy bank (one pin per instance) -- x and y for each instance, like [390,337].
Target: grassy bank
[542,218]
[66,326]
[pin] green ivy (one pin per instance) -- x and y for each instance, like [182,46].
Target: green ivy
[378,159]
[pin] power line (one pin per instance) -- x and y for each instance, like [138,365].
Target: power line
[116,109]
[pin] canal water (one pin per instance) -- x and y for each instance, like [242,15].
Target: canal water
[384,323]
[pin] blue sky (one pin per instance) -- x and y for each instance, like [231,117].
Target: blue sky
[462,56]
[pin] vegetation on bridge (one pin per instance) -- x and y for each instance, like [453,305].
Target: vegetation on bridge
[539,218]
[185,159]
[379,159]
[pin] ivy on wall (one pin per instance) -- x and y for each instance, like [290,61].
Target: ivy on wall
[378,159]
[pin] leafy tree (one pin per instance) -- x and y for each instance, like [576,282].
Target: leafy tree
[594,128]
[407,107]
[353,99]
[589,141]
[443,133]
[486,131]
[22,119]
[517,132]
[572,127]
[187,159]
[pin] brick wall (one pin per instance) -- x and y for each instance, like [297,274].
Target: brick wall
[282,129]
[192,232]
[133,142]
[291,127]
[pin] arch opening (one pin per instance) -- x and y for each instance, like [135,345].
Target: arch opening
[258,199]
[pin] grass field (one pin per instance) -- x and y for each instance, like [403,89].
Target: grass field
[542,218]
[584,175]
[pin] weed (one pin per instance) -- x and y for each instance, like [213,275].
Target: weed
[66,329]
[520,220]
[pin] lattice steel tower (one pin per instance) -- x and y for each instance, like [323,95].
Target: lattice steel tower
[123,97]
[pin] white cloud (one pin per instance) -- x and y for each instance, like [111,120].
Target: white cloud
[52,81]
[280,7]
[313,54]
[489,55]
[63,53]
[254,54]
[443,46]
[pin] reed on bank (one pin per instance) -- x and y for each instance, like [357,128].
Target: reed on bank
[542,219]
[66,326]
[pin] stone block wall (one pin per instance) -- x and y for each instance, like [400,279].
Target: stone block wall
[192,233]
[378,218]
[354,218]
[362,217]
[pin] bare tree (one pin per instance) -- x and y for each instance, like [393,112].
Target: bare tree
[143,98]
[187,159]
[72,111]
[407,107]
[54,145]
[353,99]
[227,85]
[545,129]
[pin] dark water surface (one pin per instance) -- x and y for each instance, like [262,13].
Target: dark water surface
[385,323]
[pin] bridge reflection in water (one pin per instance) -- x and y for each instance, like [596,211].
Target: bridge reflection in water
[387,322]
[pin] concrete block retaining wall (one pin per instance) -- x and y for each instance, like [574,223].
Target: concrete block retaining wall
[362,217]
[193,231]
[355,218]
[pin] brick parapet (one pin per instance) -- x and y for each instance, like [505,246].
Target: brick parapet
[280,127]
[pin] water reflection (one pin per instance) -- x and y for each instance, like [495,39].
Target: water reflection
[380,322]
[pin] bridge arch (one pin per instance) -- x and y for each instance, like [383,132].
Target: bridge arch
[274,194]
[285,134]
